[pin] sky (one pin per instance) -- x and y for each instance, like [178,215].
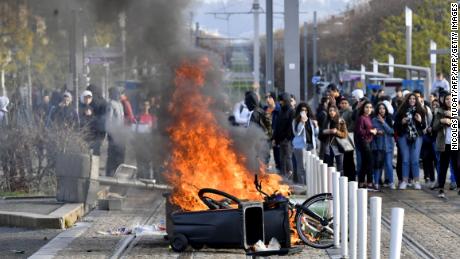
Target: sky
[241,25]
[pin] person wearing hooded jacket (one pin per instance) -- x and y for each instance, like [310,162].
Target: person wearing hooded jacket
[115,120]
[99,107]
[283,134]
[258,117]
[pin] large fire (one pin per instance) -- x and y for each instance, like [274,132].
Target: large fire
[202,152]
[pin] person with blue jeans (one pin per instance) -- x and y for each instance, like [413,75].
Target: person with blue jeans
[409,125]
[382,145]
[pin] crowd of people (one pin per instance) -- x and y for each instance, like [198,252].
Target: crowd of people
[97,119]
[361,135]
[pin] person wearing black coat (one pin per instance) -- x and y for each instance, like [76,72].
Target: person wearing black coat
[283,134]
[99,107]
[259,118]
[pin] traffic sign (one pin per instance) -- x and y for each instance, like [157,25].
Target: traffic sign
[98,60]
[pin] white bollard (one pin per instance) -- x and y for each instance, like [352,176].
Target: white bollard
[308,172]
[376,221]
[344,215]
[313,176]
[353,218]
[318,176]
[324,178]
[329,178]
[362,226]
[397,222]
[336,205]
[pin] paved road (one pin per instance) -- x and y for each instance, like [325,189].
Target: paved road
[433,223]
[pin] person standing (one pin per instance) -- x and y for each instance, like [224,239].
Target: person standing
[349,168]
[88,120]
[443,126]
[273,108]
[334,127]
[364,134]
[259,118]
[99,108]
[283,135]
[127,110]
[115,120]
[146,122]
[382,146]
[440,83]
[64,116]
[305,130]
[409,125]
[43,109]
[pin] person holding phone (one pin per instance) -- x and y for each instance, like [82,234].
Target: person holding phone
[305,130]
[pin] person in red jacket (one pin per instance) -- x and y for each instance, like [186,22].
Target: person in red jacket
[365,132]
[146,122]
[128,110]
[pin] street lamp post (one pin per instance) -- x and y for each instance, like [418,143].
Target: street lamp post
[315,36]
[408,12]
[122,22]
[433,57]
[269,70]
[256,9]
[305,61]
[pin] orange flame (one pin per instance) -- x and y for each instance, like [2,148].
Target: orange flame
[202,152]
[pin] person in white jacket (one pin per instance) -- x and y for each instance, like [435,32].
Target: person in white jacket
[305,130]
[241,114]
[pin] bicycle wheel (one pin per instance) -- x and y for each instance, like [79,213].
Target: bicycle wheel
[314,232]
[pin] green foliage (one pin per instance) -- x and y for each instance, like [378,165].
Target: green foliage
[431,21]
[23,38]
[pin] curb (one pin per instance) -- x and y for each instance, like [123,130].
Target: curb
[62,218]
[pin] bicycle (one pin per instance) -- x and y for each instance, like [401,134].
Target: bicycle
[313,218]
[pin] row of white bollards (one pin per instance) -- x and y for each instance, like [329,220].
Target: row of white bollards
[350,212]
[318,175]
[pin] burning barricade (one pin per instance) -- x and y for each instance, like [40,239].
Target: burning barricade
[215,200]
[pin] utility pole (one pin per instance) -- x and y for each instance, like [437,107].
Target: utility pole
[29,83]
[291,48]
[433,58]
[315,38]
[408,12]
[197,34]
[76,55]
[269,67]
[391,68]
[122,21]
[305,61]
[256,7]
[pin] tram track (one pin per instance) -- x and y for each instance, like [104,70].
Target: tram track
[126,244]
[412,241]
